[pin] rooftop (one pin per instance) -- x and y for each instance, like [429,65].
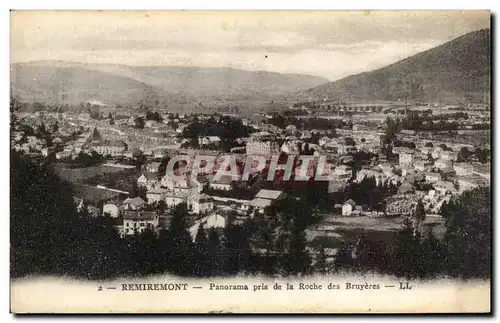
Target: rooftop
[260,202]
[269,194]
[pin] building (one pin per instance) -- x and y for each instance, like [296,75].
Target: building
[173,199]
[445,187]
[422,165]
[148,180]
[369,173]
[135,203]
[152,167]
[139,221]
[216,219]
[156,195]
[348,207]
[433,177]
[207,140]
[343,171]
[200,203]
[260,204]
[449,155]
[386,168]
[223,183]
[345,146]
[262,148]
[406,158]
[111,209]
[113,149]
[272,195]
[463,169]
[443,163]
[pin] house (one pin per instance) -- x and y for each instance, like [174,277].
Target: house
[152,167]
[93,211]
[215,219]
[443,163]
[449,155]
[156,195]
[348,207]
[148,180]
[343,170]
[260,204]
[200,203]
[269,194]
[139,221]
[422,165]
[433,177]
[445,187]
[447,172]
[142,180]
[345,146]
[436,152]
[426,150]
[47,151]
[222,184]
[463,169]
[262,148]
[135,203]
[173,199]
[78,202]
[207,140]
[386,168]
[110,148]
[406,157]
[111,209]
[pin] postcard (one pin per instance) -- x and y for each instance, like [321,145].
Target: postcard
[250,162]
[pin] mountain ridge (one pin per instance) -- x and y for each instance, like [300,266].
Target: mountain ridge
[168,84]
[458,70]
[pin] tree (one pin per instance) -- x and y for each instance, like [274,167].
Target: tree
[482,155]
[391,130]
[418,217]
[201,244]
[464,154]
[139,123]
[214,259]
[468,234]
[237,249]
[138,191]
[48,236]
[407,251]
[320,266]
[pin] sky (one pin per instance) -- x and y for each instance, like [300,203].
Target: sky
[330,44]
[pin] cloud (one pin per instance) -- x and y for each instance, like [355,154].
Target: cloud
[329,44]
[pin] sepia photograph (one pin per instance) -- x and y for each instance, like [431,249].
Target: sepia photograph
[250,161]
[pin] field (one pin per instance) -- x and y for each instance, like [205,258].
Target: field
[85,180]
[78,175]
[379,230]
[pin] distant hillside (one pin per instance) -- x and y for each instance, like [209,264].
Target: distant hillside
[457,71]
[54,81]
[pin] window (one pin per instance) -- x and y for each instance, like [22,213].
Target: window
[128,224]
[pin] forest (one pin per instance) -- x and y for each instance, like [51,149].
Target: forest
[49,237]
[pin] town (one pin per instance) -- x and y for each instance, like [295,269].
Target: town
[383,166]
